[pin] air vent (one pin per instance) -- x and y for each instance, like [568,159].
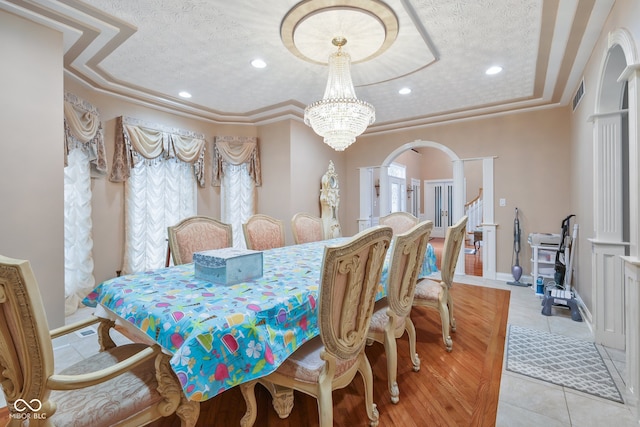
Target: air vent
[578,96]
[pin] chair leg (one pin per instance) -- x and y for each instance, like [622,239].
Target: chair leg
[249,394]
[325,404]
[172,394]
[391,350]
[188,412]
[367,377]
[411,332]
[452,320]
[444,318]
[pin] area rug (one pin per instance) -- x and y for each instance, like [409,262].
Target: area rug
[560,360]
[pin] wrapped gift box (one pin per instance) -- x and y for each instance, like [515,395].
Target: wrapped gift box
[228,266]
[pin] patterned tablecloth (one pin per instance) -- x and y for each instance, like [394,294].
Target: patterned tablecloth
[221,336]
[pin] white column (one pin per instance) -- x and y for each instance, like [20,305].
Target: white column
[607,244]
[385,202]
[458,205]
[367,196]
[632,74]
[488,223]
[632,320]
[632,262]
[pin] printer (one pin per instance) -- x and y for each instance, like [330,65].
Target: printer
[544,239]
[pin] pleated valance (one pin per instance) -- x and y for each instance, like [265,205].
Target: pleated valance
[83,130]
[236,150]
[138,141]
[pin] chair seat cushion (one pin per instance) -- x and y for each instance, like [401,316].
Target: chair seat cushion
[117,399]
[380,318]
[428,290]
[305,363]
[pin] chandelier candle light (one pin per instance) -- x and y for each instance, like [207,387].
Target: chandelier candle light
[340,116]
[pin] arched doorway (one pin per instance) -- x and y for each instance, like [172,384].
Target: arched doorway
[488,226]
[616,242]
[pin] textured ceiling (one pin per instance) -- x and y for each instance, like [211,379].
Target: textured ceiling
[149,50]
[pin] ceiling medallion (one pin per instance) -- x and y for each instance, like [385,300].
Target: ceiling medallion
[371,26]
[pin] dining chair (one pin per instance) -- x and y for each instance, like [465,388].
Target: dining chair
[436,294]
[348,284]
[262,232]
[306,228]
[391,317]
[197,233]
[125,385]
[400,222]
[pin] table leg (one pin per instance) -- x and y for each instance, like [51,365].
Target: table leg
[174,398]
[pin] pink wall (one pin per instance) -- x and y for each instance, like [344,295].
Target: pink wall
[32,159]
[531,169]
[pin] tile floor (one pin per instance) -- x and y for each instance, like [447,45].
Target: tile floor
[523,401]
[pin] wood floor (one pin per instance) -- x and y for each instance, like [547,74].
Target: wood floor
[451,389]
[473,262]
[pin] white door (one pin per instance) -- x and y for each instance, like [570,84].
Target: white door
[438,205]
[398,194]
[415,199]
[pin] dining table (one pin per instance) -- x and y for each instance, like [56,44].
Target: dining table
[219,336]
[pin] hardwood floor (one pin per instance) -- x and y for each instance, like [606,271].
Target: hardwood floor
[460,388]
[473,262]
[451,389]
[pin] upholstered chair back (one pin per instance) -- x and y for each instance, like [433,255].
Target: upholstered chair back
[408,250]
[262,232]
[197,233]
[400,222]
[452,244]
[306,228]
[349,282]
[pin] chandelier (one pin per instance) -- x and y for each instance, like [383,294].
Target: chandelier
[340,116]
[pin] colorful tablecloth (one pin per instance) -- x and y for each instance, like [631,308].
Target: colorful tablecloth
[221,336]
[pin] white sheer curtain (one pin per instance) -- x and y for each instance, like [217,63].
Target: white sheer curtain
[85,158]
[159,193]
[236,191]
[236,169]
[161,168]
[78,244]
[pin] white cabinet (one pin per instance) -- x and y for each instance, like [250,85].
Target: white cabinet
[543,259]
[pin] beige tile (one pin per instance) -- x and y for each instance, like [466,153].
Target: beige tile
[562,325]
[66,356]
[515,416]
[535,396]
[587,411]
[615,354]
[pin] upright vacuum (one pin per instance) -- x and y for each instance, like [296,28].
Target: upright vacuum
[516,270]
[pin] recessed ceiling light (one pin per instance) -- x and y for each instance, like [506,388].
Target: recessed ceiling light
[404,91]
[258,63]
[493,70]
[185,94]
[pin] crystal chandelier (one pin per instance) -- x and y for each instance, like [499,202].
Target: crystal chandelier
[339,117]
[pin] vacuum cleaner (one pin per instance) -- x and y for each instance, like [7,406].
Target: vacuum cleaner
[516,270]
